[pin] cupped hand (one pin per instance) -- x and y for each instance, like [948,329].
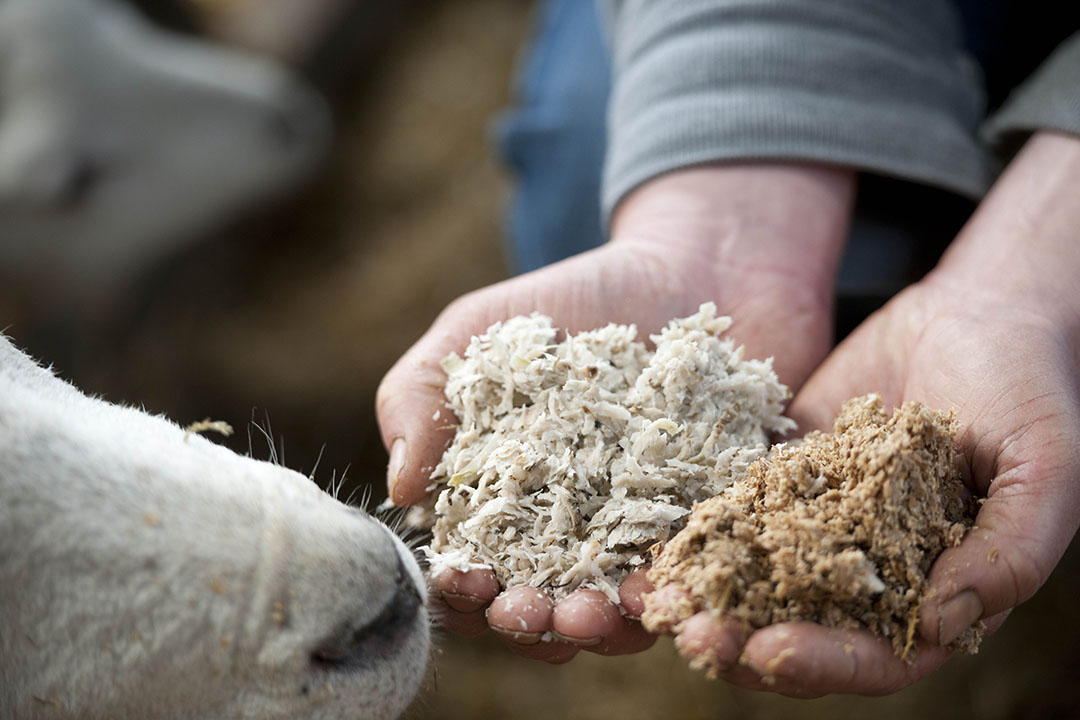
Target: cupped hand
[993,332]
[761,241]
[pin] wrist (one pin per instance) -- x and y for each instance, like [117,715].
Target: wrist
[1022,246]
[745,219]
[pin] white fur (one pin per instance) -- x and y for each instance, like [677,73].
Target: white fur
[146,572]
[119,141]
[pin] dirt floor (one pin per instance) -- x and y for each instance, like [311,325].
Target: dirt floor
[296,313]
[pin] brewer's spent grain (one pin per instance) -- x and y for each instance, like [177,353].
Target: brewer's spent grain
[573,457]
[840,529]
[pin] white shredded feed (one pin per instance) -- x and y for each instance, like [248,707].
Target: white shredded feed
[573,458]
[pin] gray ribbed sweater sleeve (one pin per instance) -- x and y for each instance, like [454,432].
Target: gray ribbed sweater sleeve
[1049,99]
[882,85]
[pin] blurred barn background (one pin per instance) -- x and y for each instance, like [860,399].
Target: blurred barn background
[292,312]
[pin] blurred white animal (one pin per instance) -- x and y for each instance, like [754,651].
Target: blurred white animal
[120,142]
[146,572]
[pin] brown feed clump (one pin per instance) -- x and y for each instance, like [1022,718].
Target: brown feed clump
[840,529]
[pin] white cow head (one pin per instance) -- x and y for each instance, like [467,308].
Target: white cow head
[146,572]
[119,141]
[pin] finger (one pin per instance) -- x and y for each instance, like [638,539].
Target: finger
[466,624]
[410,406]
[631,590]
[714,646]
[555,652]
[415,424]
[521,615]
[711,644]
[667,607]
[586,617]
[1020,533]
[628,637]
[808,660]
[466,591]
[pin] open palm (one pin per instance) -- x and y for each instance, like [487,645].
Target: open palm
[993,332]
[652,272]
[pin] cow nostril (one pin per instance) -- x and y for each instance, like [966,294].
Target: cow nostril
[349,644]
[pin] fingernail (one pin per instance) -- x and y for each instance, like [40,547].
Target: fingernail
[393,468]
[580,642]
[462,603]
[957,615]
[521,638]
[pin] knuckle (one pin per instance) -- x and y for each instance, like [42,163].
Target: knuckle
[1024,570]
[469,305]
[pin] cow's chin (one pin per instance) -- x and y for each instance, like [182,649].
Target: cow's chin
[147,572]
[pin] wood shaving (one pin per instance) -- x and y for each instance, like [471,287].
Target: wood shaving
[840,529]
[208,425]
[573,458]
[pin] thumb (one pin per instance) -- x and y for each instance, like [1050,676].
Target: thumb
[1021,531]
[415,424]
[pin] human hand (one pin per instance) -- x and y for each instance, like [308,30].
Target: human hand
[761,241]
[994,332]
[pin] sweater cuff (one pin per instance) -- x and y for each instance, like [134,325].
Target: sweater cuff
[1048,100]
[874,84]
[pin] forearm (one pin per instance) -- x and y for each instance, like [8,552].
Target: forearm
[1023,244]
